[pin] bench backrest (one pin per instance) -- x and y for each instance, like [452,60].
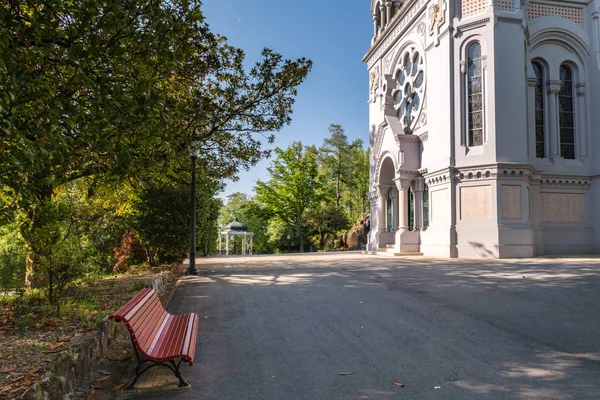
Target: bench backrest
[144,315]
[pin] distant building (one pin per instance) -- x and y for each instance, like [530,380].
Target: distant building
[485,127]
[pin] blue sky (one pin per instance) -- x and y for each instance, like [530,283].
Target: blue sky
[334,34]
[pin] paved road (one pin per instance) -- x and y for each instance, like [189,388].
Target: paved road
[285,327]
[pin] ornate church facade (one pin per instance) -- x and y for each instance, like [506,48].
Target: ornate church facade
[485,127]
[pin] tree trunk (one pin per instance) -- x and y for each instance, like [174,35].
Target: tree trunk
[29,230]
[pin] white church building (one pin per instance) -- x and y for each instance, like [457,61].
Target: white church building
[485,127]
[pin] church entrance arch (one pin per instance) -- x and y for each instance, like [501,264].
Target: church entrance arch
[388,205]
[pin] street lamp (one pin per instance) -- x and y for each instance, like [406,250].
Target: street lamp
[192,267]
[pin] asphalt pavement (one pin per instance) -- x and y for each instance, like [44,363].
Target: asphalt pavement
[351,326]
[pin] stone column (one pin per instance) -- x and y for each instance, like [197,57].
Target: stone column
[381,207]
[383,16]
[581,133]
[388,14]
[374,221]
[402,184]
[402,204]
[419,188]
[375,30]
[553,125]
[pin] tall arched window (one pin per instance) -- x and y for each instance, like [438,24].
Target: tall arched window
[389,208]
[411,209]
[426,208]
[566,113]
[475,95]
[540,103]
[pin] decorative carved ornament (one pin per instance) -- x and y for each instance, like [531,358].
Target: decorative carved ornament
[436,16]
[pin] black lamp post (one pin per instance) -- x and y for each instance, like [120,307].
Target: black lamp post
[192,267]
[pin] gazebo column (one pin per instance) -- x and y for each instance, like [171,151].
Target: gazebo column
[244,245]
[227,245]
[251,237]
[220,244]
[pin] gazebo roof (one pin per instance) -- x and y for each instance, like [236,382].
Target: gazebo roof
[236,226]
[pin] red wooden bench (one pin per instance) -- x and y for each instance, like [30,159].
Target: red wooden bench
[158,338]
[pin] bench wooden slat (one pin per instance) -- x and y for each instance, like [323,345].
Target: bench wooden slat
[148,326]
[173,338]
[189,344]
[122,312]
[137,307]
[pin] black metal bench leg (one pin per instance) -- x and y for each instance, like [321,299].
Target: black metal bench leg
[131,384]
[182,383]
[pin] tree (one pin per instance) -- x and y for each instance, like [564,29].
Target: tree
[294,188]
[355,196]
[123,89]
[335,158]
[325,222]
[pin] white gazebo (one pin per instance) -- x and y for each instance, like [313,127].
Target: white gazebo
[234,229]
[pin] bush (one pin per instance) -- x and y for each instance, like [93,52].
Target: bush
[12,258]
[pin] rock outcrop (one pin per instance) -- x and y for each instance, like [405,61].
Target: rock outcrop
[356,237]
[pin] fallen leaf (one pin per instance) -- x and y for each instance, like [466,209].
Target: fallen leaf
[18,379]
[399,384]
[17,389]
[1,357]
[346,373]
[5,371]
[32,371]
[119,386]
[97,387]
[64,338]
[103,372]
[51,351]
[103,378]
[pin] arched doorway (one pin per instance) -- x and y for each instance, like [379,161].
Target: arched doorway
[388,205]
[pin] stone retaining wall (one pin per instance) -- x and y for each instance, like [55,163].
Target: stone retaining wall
[75,365]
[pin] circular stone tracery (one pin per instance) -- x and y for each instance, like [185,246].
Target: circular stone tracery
[408,99]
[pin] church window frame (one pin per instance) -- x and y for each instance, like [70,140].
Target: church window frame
[409,95]
[540,107]
[475,94]
[567,113]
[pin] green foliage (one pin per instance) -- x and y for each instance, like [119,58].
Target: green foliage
[62,254]
[12,258]
[325,222]
[346,167]
[161,217]
[294,188]
[121,90]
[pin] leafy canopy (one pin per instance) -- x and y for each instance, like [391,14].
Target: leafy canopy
[114,89]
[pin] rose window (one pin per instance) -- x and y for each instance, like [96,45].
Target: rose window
[408,98]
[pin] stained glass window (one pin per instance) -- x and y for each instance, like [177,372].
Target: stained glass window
[540,130]
[475,95]
[411,209]
[566,113]
[426,208]
[389,213]
[410,88]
